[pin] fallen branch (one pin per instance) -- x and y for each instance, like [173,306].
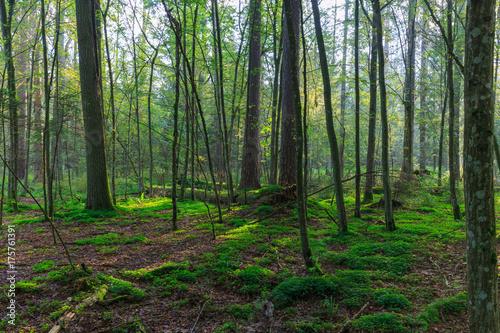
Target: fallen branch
[64,321]
[199,314]
[342,329]
[440,271]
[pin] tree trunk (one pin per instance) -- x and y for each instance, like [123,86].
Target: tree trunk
[98,194]
[377,21]
[370,155]
[409,102]
[6,20]
[301,204]
[250,171]
[422,160]
[288,136]
[482,272]
[343,77]
[357,208]
[451,119]
[334,150]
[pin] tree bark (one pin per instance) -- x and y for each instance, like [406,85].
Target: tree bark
[334,149]
[482,272]
[389,218]
[250,171]
[301,204]
[370,155]
[451,119]
[6,20]
[288,136]
[98,193]
[409,99]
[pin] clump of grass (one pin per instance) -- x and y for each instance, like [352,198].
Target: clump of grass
[253,277]
[445,306]
[390,300]
[44,266]
[386,322]
[264,210]
[270,189]
[111,238]
[345,283]
[390,256]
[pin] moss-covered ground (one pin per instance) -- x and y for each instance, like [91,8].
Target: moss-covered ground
[251,278]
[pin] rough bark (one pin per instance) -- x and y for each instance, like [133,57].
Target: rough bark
[250,171]
[98,193]
[482,272]
[389,218]
[409,99]
[301,204]
[288,135]
[370,155]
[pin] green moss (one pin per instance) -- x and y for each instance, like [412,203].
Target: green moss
[386,322]
[390,300]
[122,287]
[264,210]
[346,283]
[44,266]
[445,306]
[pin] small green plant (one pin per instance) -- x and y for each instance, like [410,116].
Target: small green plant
[66,275]
[264,210]
[386,322]
[44,266]
[390,300]
[100,239]
[445,306]
[330,305]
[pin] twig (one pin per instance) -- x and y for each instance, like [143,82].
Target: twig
[440,271]
[342,329]
[47,217]
[199,314]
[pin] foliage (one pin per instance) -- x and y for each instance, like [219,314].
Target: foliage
[386,322]
[445,306]
[44,266]
[121,287]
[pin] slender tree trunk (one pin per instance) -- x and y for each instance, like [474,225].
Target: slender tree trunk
[389,218]
[6,20]
[277,50]
[113,109]
[423,104]
[409,102]
[370,155]
[357,209]
[140,184]
[301,204]
[441,140]
[176,132]
[334,149]
[482,270]
[343,88]
[451,119]
[150,138]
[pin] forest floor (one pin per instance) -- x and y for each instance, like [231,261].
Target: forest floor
[251,278]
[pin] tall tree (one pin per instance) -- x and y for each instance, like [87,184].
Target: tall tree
[288,135]
[301,203]
[409,98]
[422,127]
[251,145]
[370,155]
[451,118]
[377,21]
[357,208]
[343,86]
[98,193]
[6,20]
[482,270]
[327,92]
